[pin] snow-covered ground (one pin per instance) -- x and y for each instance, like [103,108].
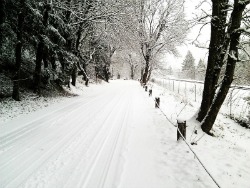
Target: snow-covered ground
[236,104]
[112,136]
[226,156]
[30,102]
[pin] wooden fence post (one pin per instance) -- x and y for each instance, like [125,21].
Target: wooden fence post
[182,128]
[157,102]
[150,92]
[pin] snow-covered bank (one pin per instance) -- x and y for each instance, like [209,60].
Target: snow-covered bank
[227,155]
[10,109]
[236,104]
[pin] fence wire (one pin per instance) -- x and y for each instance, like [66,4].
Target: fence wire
[202,164]
[236,104]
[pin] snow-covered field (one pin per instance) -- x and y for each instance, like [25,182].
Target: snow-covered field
[236,104]
[112,136]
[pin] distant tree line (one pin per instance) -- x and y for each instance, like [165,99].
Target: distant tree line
[197,72]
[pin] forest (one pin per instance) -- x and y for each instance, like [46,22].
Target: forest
[52,42]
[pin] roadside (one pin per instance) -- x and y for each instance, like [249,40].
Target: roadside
[226,155]
[31,102]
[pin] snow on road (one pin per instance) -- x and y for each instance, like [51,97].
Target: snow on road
[112,137]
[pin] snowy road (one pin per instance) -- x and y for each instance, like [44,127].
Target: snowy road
[105,139]
[72,145]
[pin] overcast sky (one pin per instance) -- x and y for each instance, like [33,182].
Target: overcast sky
[198,53]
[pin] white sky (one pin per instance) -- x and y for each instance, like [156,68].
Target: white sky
[198,53]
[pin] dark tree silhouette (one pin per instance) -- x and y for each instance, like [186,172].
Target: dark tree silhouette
[19,44]
[217,50]
[235,32]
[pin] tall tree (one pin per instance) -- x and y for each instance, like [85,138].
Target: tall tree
[162,27]
[40,49]
[19,44]
[2,20]
[242,69]
[170,70]
[235,33]
[133,65]
[217,49]
[188,67]
[200,70]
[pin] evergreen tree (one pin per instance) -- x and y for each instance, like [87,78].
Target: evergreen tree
[19,44]
[201,70]
[188,67]
[169,70]
[242,68]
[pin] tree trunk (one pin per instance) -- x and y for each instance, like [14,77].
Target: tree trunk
[37,74]
[2,11]
[149,74]
[147,59]
[142,70]
[45,57]
[82,69]
[83,72]
[40,52]
[15,92]
[2,21]
[106,73]
[74,75]
[236,16]
[53,60]
[79,35]
[216,52]
[68,12]
[145,74]
[132,71]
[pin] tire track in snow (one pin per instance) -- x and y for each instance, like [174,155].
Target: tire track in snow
[72,163]
[43,157]
[110,180]
[39,138]
[12,137]
[7,135]
[99,167]
[42,123]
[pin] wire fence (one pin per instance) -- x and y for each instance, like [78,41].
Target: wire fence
[236,104]
[183,137]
